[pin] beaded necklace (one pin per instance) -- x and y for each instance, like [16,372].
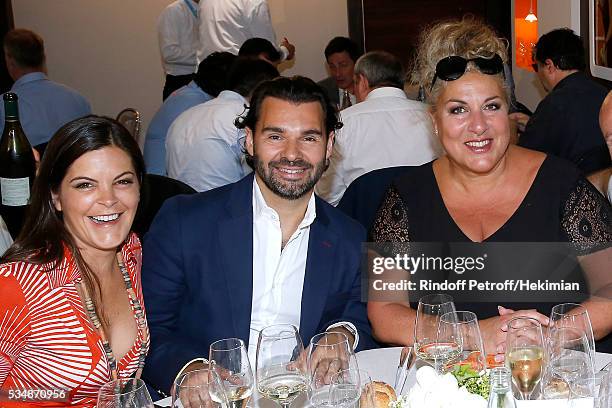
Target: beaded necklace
[137,311]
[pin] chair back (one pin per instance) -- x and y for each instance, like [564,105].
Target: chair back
[130,118]
[155,190]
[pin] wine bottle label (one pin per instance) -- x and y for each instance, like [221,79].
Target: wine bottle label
[15,191]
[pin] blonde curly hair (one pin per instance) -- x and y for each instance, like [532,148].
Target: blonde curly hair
[467,38]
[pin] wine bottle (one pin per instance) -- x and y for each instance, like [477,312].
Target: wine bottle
[17,167]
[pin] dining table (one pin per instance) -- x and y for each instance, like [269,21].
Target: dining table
[382,365]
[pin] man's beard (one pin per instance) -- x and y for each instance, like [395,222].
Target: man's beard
[290,190]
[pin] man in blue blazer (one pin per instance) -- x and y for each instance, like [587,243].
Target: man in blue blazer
[265,250]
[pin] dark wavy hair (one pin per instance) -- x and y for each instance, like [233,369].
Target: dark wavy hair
[297,89]
[44,234]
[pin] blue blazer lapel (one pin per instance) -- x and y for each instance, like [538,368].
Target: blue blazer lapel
[236,247]
[322,245]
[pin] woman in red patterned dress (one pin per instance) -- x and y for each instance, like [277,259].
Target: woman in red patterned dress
[71,308]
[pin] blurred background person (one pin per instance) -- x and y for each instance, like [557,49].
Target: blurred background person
[70,288]
[341,53]
[177,34]
[208,82]
[44,105]
[262,49]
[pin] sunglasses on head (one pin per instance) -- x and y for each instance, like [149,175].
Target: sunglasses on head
[453,67]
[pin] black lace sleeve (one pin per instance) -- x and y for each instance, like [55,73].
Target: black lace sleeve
[587,218]
[391,222]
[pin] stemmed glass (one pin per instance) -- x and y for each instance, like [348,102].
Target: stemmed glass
[461,333]
[199,388]
[569,355]
[351,388]
[124,393]
[232,363]
[576,317]
[525,354]
[280,369]
[328,353]
[429,310]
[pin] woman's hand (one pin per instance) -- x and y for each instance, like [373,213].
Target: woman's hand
[494,329]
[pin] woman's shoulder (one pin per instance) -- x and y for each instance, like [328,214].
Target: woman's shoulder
[415,177]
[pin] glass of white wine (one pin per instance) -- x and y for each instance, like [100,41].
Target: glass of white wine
[231,361]
[199,389]
[525,354]
[429,311]
[124,393]
[280,364]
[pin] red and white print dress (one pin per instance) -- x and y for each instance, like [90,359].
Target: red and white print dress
[46,340]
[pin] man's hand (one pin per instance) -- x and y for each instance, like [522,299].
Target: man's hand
[333,353]
[290,48]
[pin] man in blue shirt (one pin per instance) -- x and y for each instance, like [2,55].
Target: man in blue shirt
[44,105]
[207,84]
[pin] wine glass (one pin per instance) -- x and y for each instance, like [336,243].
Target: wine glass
[280,364]
[124,393]
[577,317]
[460,332]
[525,354]
[232,363]
[328,353]
[429,310]
[604,397]
[352,388]
[569,355]
[199,388]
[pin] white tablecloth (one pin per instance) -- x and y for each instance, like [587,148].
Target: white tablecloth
[382,366]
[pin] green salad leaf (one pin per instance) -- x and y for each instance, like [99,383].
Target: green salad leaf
[472,380]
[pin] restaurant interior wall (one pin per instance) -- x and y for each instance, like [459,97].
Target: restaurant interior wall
[108,49]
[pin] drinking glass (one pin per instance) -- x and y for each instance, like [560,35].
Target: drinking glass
[199,388]
[577,317]
[604,397]
[429,310]
[569,355]
[232,363]
[460,332]
[280,365]
[328,353]
[352,388]
[525,354]
[124,393]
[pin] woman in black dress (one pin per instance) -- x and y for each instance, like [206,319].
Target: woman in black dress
[486,189]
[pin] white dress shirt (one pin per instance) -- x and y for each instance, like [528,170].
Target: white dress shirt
[177,32]
[204,147]
[610,189]
[226,24]
[278,274]
[5,237]
[385,130]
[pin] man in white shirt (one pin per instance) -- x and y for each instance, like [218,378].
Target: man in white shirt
[262,251]
[177,33]
[203,146]
[226,24]
[384,129]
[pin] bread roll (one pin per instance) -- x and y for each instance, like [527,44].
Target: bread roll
[383,395]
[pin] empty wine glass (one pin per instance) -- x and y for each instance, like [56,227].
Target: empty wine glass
[574,316]
[199,388]
[429,310]
[328,353]
[604,397]
[232,363]
[351,388]
[461,333]
[525,354]
[124,393]
[280,364]
[569,355]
